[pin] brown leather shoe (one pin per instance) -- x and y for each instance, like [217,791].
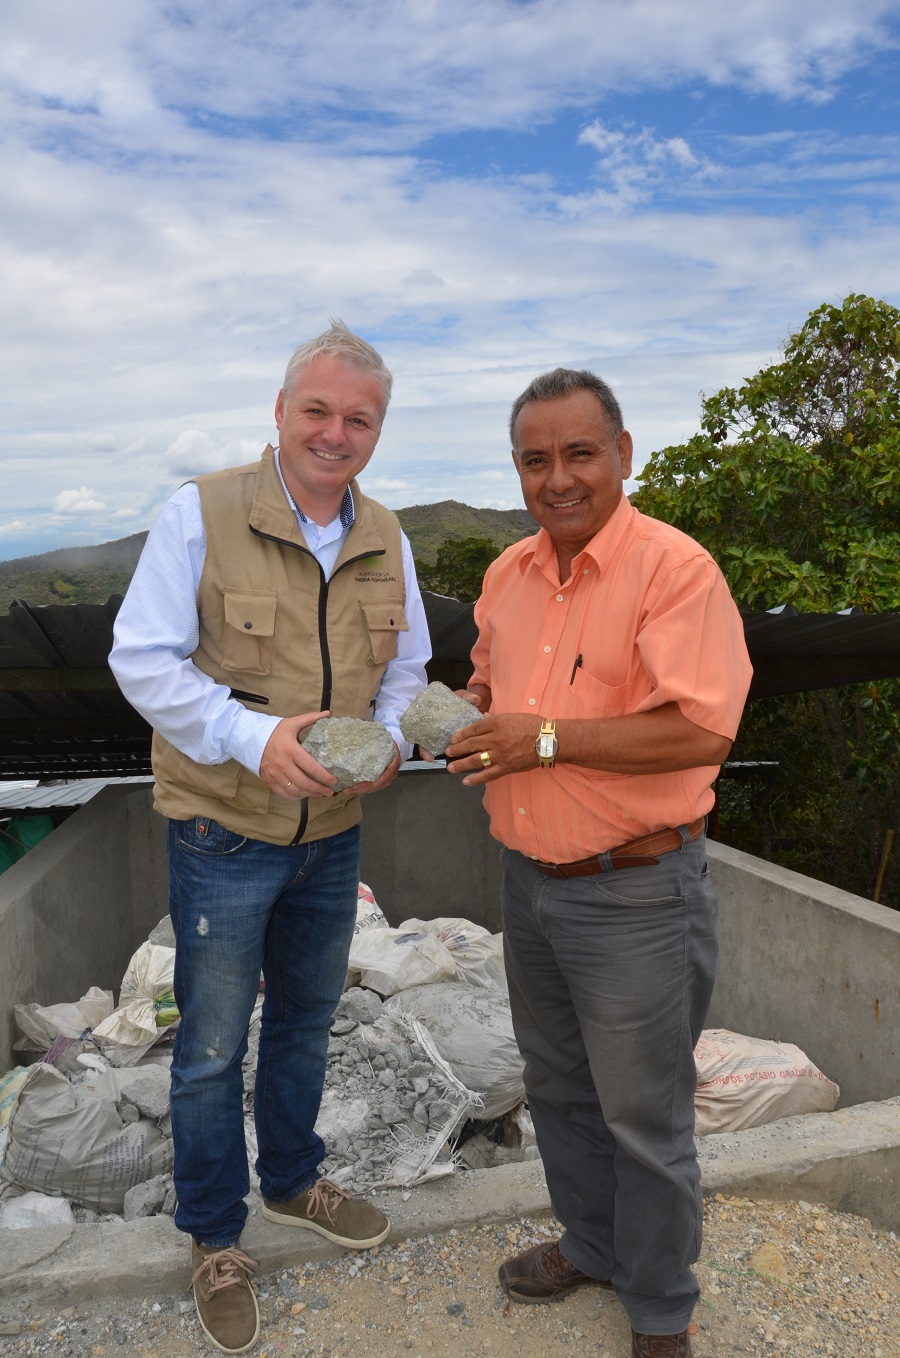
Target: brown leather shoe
[541,1274]
[327,1209]
[226,1303]
[660,1345]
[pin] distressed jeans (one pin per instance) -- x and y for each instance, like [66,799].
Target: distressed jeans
[610,979]
[238,907]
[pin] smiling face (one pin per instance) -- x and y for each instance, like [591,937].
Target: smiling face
[328,426]
[571,469]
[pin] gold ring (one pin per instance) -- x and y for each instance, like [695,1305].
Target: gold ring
[289,783]
[485,759]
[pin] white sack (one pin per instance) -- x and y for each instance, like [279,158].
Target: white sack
[477,954]
[747,1081]
[69,1141]
[149,976]
[43,1024]
[389,960]
[369,915]
[472,1030]
[35,1209]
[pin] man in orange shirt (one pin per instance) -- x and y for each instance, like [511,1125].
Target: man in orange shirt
[612,671]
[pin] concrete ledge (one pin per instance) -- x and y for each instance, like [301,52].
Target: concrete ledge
[849,1160]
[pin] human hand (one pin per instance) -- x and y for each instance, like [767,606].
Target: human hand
[508,740]
[390,773]
[469,696]
[287,768]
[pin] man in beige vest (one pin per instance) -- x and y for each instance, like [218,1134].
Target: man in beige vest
[268,596]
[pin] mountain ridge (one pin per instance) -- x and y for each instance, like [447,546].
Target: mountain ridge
[89,575]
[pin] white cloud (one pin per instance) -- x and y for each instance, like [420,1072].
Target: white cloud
[14,526]
[191,191]
[81,501]
[634,163]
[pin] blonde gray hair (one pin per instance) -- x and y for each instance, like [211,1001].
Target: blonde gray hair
[339,342]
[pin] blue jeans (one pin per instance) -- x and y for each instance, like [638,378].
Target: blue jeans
[240,906]
[610,979]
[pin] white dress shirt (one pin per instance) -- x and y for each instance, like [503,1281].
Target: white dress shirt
[157,631]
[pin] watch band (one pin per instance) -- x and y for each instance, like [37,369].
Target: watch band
[547,745]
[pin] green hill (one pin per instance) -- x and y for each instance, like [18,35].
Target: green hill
[89,575]
[427,526]
[73,575]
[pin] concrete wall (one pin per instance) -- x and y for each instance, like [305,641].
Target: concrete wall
[74,908]
[806,963]
[800,961]
[426,850]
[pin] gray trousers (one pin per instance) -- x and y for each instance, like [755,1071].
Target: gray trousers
[610,979]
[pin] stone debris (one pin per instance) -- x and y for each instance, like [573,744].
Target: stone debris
[154,1197]
[438,1295]
[434,717]
[354,751]
[390,1105]
[146,1093]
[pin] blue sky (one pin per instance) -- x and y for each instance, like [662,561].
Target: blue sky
[661,191]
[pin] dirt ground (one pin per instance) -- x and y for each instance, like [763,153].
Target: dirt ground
[784,1280]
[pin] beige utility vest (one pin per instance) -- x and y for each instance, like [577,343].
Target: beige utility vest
[284,640]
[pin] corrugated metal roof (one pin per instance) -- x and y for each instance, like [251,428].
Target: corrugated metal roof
[54,796]
[62,715]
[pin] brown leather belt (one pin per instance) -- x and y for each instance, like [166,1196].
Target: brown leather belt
[637,853]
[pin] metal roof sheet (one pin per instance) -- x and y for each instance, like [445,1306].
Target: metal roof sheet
[62,715]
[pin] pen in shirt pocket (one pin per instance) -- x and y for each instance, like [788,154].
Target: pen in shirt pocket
[578,660]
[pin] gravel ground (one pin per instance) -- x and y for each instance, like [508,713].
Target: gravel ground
[784,1280]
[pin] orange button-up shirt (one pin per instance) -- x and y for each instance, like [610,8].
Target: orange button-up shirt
[648,612]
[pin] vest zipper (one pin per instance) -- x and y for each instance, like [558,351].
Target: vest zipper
[323,640]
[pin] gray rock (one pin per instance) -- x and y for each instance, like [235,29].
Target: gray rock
[354,751]
[148,1092]
[363,1006]
[434,717]
[148,1198]
[163,934]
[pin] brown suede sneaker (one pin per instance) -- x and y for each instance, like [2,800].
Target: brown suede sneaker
[226,1303]
[660,1345]
[329,1210]
[541,1274]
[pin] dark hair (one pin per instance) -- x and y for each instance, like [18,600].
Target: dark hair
[562,382]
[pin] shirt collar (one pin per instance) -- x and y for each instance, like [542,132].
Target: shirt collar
[602,547]
[347,511]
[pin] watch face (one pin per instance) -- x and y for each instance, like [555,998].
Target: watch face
[548,746]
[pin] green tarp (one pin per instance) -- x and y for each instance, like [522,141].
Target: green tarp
[20,835]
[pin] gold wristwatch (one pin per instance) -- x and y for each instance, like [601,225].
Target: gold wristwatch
[546,744]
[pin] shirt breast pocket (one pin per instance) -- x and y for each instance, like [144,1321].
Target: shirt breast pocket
[384,621]
[249,632]
[594,698]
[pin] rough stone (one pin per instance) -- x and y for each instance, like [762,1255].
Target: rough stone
[148,1092]
[354,751]
[147,1199]
[362,1006]
[434,717]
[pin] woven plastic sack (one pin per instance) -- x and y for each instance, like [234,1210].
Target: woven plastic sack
[43,1024]
[146,1005]
[748,1081]
[477,953]
[70,1142]
[390,960]
[472,1030]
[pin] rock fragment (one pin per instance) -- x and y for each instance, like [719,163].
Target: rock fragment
[434,717]
[354,751]
[149,1198]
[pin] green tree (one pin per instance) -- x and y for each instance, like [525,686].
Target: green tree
[793,484]
[459,568]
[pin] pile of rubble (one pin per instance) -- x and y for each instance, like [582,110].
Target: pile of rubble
[423,1078]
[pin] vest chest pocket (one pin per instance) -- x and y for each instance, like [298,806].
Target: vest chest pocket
[383,621]
[249,632]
